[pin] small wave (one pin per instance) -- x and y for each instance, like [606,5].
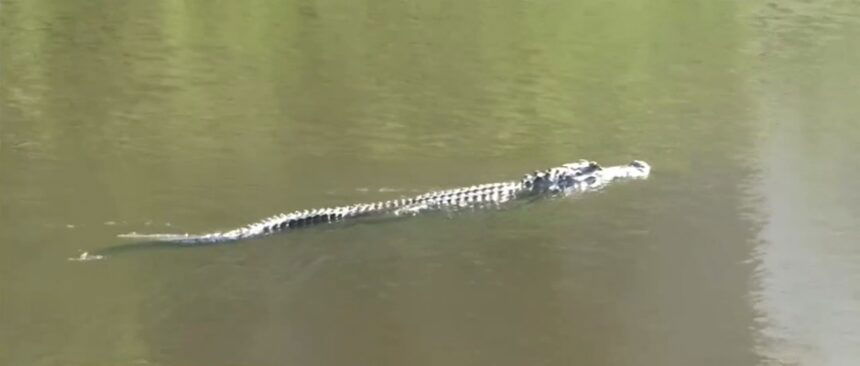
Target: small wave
[86,256]
[160,237]
[391,189]
[383,190]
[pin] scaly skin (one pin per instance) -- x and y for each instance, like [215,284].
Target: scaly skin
[581,176]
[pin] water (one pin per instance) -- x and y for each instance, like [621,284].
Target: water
[164,116]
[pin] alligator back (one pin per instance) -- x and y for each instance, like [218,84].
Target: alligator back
[574,177]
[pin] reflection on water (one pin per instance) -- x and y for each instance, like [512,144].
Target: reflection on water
[131,116]
[808,262]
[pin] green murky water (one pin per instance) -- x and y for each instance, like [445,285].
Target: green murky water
[175,116]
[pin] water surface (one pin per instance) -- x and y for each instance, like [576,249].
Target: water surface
[169,116]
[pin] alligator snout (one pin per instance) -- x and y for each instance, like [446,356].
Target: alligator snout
[642,166]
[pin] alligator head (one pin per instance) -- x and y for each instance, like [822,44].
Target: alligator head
[582,175]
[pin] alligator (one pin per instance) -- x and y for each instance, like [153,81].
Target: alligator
[581,176]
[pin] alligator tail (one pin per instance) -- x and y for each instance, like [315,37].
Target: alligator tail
[278,223]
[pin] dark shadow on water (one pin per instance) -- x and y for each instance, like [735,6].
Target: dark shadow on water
[135,247]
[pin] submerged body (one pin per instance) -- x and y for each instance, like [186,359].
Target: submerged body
[580,176]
